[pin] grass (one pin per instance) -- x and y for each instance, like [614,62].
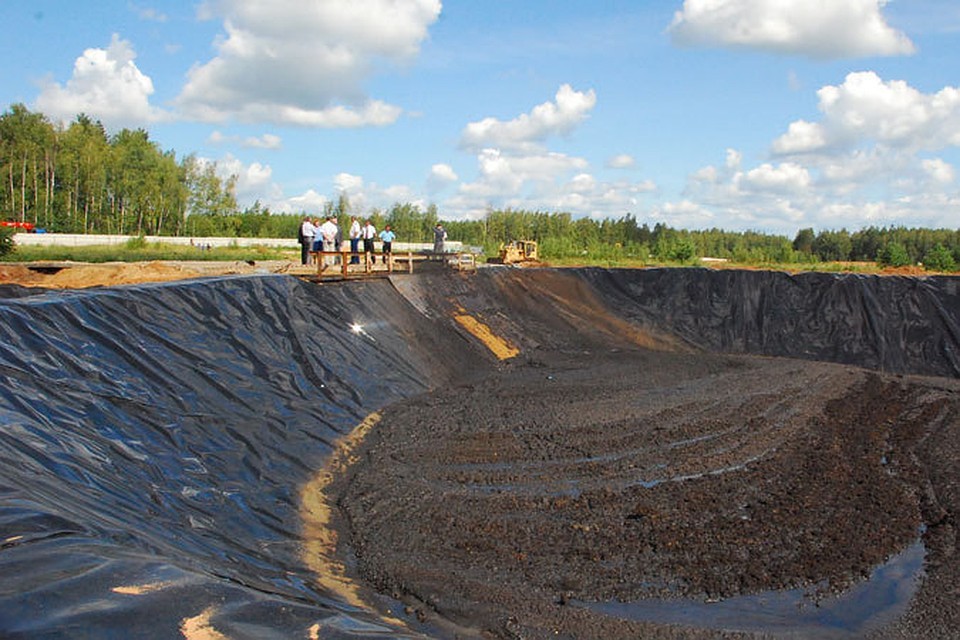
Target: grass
[135,251]
[636,263]
[143,252]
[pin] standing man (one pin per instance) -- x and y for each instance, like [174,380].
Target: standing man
[338,241]
[317,238]
[305,235]
[386,237]
[328,235]
[439,238]
[369,234]
[354,240]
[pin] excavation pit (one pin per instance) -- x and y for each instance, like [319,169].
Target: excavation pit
[661,453]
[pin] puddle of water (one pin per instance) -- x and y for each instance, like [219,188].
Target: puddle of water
[877,601]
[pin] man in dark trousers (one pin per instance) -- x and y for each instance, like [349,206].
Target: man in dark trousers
[305,236]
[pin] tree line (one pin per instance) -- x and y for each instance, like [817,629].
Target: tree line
[625,238]
[78,179]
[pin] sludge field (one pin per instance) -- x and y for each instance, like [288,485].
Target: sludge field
[510,454]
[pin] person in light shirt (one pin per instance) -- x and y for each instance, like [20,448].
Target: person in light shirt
[305,236]
[439,238]
[369,235]
[355,233]
[328,234]
[386,237]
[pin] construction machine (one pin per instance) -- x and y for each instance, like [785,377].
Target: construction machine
[517,252]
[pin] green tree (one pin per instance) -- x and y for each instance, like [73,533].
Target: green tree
[803,242]
[408,222]
[866,243]
[939,258]
[82,173]
[683,251]
[207,193]
[833,245]
[6,241]
[27,151]
[893,254]
[131,179]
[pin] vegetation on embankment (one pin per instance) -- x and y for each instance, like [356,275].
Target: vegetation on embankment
[139,251]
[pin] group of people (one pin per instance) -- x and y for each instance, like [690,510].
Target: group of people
[327,236]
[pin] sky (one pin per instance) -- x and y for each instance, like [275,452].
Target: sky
[744,115]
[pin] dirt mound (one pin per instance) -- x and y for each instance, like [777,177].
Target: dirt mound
[85,275]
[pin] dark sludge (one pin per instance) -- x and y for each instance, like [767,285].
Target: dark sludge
[510,453]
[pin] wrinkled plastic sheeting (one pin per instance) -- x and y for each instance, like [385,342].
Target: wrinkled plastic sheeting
[16,291]
[154,439]
[889,323]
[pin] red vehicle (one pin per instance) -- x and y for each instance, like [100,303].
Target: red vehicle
[29,227]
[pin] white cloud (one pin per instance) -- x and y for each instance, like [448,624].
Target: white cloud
[801,137]
[528,131]
[683,215]
[864,159]
[441,176]
[622,161]
[545,181]
[925,212]
[309,202]
[517,170]
[304,63]
[734,159]
[870,159]
[266,141]
[443,172]
[348,183]
[364,195]
[939,171]
[893,112]
[785,178]
[816,28]
[148,13]
[872,132]
[583,183]
[845,171]
[252,179]
[107,85]
[859,183]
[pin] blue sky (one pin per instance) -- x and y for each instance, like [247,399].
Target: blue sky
[765,115]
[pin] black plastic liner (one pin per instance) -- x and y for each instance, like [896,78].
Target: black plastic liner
[154,438]
[160,434]
[889,323]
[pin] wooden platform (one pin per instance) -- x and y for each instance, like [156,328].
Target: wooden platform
[344,264]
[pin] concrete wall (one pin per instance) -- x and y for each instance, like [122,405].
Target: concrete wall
[88,240]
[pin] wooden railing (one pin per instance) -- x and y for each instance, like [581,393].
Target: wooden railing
[346,263]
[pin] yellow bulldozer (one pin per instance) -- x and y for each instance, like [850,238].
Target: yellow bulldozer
[517,252]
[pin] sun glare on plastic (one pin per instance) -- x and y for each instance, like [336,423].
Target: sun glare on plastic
[356,328]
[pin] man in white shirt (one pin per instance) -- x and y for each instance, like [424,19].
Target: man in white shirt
[355,234]
[328,233]
[369,234]
[305,236]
